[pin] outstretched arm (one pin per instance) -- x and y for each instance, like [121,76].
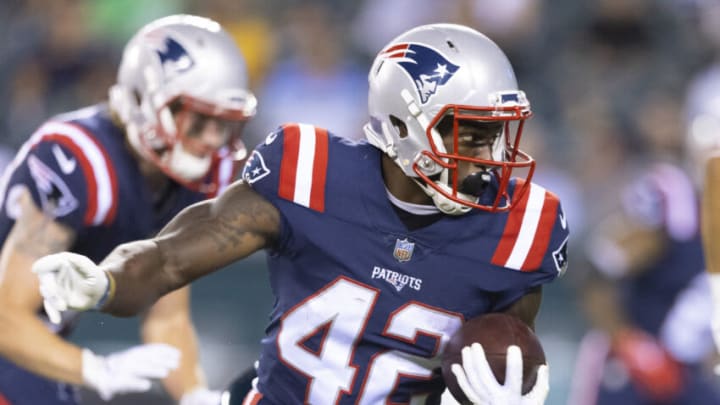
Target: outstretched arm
[199,240]
[27,341]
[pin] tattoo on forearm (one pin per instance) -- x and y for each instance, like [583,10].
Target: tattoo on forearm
[248,219]
[225,237]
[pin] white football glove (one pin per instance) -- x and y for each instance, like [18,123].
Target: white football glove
[128,371]
[201,396]
[70,281]
[477,381]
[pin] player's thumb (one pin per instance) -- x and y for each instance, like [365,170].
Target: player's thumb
[48,264]
[81,264]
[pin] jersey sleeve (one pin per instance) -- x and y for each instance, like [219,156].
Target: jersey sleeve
[540,255]
[289,170]
[535,236]
[503,300]
[68,176]
[262,166]
[555,261]
[291,165]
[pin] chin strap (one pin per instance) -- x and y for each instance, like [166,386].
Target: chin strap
[382,141]
[444,204]
[187,166]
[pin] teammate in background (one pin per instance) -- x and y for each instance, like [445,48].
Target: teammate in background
[711,230]
[702,107]
[89,180]
[377,250]
[652,336]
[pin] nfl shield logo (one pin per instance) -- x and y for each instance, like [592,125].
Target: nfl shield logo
[403,250]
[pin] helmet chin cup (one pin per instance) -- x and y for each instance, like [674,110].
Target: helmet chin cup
[444,204]
[187,166]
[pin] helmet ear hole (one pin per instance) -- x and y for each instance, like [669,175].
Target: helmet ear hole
[399,126]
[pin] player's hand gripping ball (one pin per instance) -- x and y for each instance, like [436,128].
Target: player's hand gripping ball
[495,332]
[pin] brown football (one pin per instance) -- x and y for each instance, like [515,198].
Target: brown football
[495,332]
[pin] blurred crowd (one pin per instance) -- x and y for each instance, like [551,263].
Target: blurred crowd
[611,82]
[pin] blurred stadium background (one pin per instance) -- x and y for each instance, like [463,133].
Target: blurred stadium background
[590,68]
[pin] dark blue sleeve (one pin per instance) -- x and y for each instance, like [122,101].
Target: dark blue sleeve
[262,173]
[262,167]
[56,180]
[555,262]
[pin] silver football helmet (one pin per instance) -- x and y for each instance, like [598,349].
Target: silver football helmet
[182,62]
[447,71]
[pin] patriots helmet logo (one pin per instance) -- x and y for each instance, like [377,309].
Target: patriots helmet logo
[174,58]
[428,68]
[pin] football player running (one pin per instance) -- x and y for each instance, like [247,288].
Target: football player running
[377,250]
[89,180]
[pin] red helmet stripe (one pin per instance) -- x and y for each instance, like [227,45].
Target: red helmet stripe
[398,47]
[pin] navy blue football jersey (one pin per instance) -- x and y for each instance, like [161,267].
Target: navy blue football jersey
[80,171]
[364,306]
[663,197]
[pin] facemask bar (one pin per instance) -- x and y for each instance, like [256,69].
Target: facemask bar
[233,117]
[506,153]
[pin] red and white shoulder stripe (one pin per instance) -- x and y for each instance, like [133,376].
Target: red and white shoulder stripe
[303,169]
[528,230]
[101,180]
